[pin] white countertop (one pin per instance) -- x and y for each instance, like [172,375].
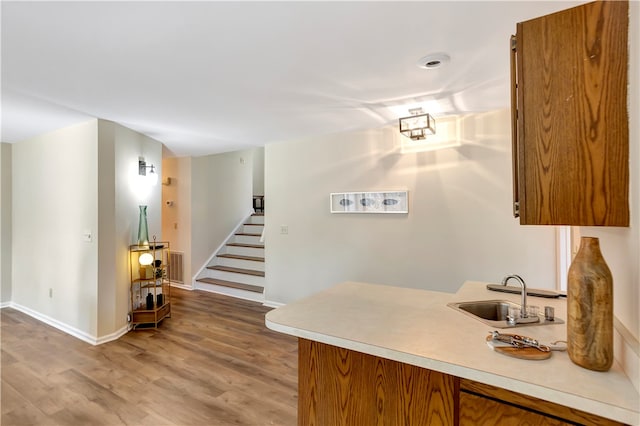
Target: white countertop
[416,327]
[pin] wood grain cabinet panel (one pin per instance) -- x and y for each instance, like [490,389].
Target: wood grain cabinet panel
[482,404]
[571,135]
[476,410]
[340,387]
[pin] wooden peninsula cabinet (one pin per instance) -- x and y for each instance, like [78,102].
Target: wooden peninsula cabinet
[341,387]
[381,355]
[569,117]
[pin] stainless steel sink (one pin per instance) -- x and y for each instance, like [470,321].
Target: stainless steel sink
[494,313]
[492,310]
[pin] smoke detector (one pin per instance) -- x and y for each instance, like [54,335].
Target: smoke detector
[435,60]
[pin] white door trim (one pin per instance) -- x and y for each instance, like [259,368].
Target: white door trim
[567,243]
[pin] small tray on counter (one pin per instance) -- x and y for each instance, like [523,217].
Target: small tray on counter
[530,291]
[529,353]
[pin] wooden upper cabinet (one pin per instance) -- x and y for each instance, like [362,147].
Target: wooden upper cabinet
[570,122]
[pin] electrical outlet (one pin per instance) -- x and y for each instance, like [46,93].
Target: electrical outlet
[128,317]
[284,229]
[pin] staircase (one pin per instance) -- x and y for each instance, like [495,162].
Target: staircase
[238,268]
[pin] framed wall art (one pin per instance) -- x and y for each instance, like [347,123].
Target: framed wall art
[369,202]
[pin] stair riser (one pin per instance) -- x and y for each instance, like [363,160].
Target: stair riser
[239,278]
[245,251]
[256,219]
[240,263]
[252,229]
[247,239]
[243,294]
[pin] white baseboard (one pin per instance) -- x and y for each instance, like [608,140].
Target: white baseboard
[182,286]
[113,336]
[272,304]
[79,334]
[5,305]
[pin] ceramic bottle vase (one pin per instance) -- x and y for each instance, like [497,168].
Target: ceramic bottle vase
[143,229]
[590,308]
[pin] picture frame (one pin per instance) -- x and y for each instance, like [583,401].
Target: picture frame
[370,202]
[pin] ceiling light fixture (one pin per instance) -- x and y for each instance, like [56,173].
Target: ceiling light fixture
[432,61]
[418,125]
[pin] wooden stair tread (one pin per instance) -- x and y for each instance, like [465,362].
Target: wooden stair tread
[258,246]
[236,270]
[253,224]
[238,256]
[257,214]
[241,286]
[248,234]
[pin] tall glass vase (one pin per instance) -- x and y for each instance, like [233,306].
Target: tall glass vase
[590,308]
[143,229]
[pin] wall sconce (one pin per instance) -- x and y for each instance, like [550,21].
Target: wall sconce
[142,171]
[418,125]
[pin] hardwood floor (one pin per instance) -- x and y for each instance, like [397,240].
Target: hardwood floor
[213,363]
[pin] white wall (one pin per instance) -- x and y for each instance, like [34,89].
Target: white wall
[459,226]
[258,171]
[221,195]
[119,198]
[129,145]
[55,201]
[176,219]
[67,183]
[108,259]
[5,223]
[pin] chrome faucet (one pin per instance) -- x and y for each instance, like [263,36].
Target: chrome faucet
[524,315]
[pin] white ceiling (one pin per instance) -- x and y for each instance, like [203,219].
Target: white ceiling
[209,77]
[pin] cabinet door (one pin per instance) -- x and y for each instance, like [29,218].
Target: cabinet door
[571,150]
[482,404]
[341,387]
[476,410]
